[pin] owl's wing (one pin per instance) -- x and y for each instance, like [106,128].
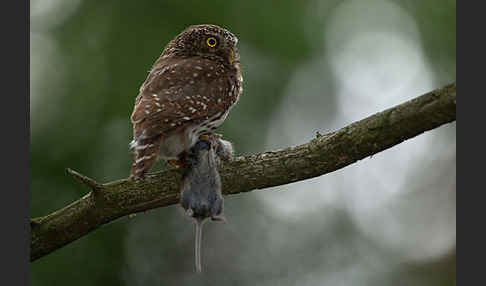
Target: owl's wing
[180,94]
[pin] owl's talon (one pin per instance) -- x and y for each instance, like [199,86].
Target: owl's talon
[204,137]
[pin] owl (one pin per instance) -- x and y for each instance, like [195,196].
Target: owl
[188,93]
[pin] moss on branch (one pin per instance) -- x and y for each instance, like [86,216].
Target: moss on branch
[322,155]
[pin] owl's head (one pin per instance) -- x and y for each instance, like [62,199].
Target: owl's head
[208,41]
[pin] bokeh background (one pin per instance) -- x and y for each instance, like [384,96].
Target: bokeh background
[308,66]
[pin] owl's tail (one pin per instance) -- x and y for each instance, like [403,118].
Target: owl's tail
[145,155]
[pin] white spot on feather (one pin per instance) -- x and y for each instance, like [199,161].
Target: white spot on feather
[143,158]
[144,146]
[132,144]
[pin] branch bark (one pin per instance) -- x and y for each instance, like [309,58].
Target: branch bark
[323,154]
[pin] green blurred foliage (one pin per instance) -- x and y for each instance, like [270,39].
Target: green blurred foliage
[82,121]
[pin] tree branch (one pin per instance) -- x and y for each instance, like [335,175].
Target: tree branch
[85,180]
[324,154]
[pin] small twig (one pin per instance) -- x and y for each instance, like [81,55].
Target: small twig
[85,180]
[34,222]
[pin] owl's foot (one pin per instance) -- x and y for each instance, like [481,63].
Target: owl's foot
[175,163]
[136,176]
[223,148]
[211,136]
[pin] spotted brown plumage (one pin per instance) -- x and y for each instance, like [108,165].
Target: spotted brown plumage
[188,92]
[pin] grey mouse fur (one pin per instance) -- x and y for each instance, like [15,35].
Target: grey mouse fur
[201,195]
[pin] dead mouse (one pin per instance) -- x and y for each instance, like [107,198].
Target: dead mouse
[201,195]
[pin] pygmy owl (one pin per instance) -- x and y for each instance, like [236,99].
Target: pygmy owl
[188,92]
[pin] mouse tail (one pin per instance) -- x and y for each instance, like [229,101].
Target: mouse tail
[198,240]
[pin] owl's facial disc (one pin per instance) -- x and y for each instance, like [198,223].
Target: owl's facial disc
[205,40]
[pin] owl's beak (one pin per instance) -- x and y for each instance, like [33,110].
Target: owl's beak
[233,57]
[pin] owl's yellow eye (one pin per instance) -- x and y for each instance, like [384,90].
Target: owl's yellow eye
[211,41]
